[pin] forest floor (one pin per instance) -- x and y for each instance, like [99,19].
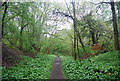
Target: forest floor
[10,56]
[57,69]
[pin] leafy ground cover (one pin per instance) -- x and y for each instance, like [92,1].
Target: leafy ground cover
[29,68]
[103,66]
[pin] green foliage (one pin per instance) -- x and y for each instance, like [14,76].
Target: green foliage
[29,68]
[33,27]
[104,66]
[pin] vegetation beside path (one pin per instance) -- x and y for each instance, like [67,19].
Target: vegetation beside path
[103,66]
[38,68]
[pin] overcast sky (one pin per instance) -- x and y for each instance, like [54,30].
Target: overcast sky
[80,0]
[95,1]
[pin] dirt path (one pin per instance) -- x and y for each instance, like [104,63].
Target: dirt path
[57,69]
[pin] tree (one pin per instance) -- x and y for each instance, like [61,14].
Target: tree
[75,28]
[5,4]
[116,35]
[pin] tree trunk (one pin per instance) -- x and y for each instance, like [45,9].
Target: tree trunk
[78,48]
[93,35]
[5,11]
[21,31]
[21,40]
[92,31]
[74,21]
[118,8]
[116,35]
[80,40]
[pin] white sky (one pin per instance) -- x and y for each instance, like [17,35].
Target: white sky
[95,1]
[79,0]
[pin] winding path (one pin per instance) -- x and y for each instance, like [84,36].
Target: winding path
[57,69]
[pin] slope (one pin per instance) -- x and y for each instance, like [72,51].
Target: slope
[103,66]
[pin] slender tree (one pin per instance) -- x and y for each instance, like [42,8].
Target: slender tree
[116,35]
[74,22]
[5,4]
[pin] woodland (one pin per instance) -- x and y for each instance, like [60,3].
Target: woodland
[53,40]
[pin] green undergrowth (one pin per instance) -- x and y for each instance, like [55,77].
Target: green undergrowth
[103,66]
[38,68]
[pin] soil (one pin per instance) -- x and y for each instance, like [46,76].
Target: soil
[57,69]
[10,56]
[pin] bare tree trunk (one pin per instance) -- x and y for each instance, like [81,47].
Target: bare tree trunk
[116,35]
[74,21]
[78,48]
[80,40]
[93,35]
[21,40]
[21,31]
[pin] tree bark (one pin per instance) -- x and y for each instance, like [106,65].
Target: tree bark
[74,22]
[21,40]
[80,40]
[116,35]
[92,35]
[5,11]
[78,48]
[118,7]
[92,32]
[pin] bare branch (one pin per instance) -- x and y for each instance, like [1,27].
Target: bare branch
[68,7]
[64,14]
